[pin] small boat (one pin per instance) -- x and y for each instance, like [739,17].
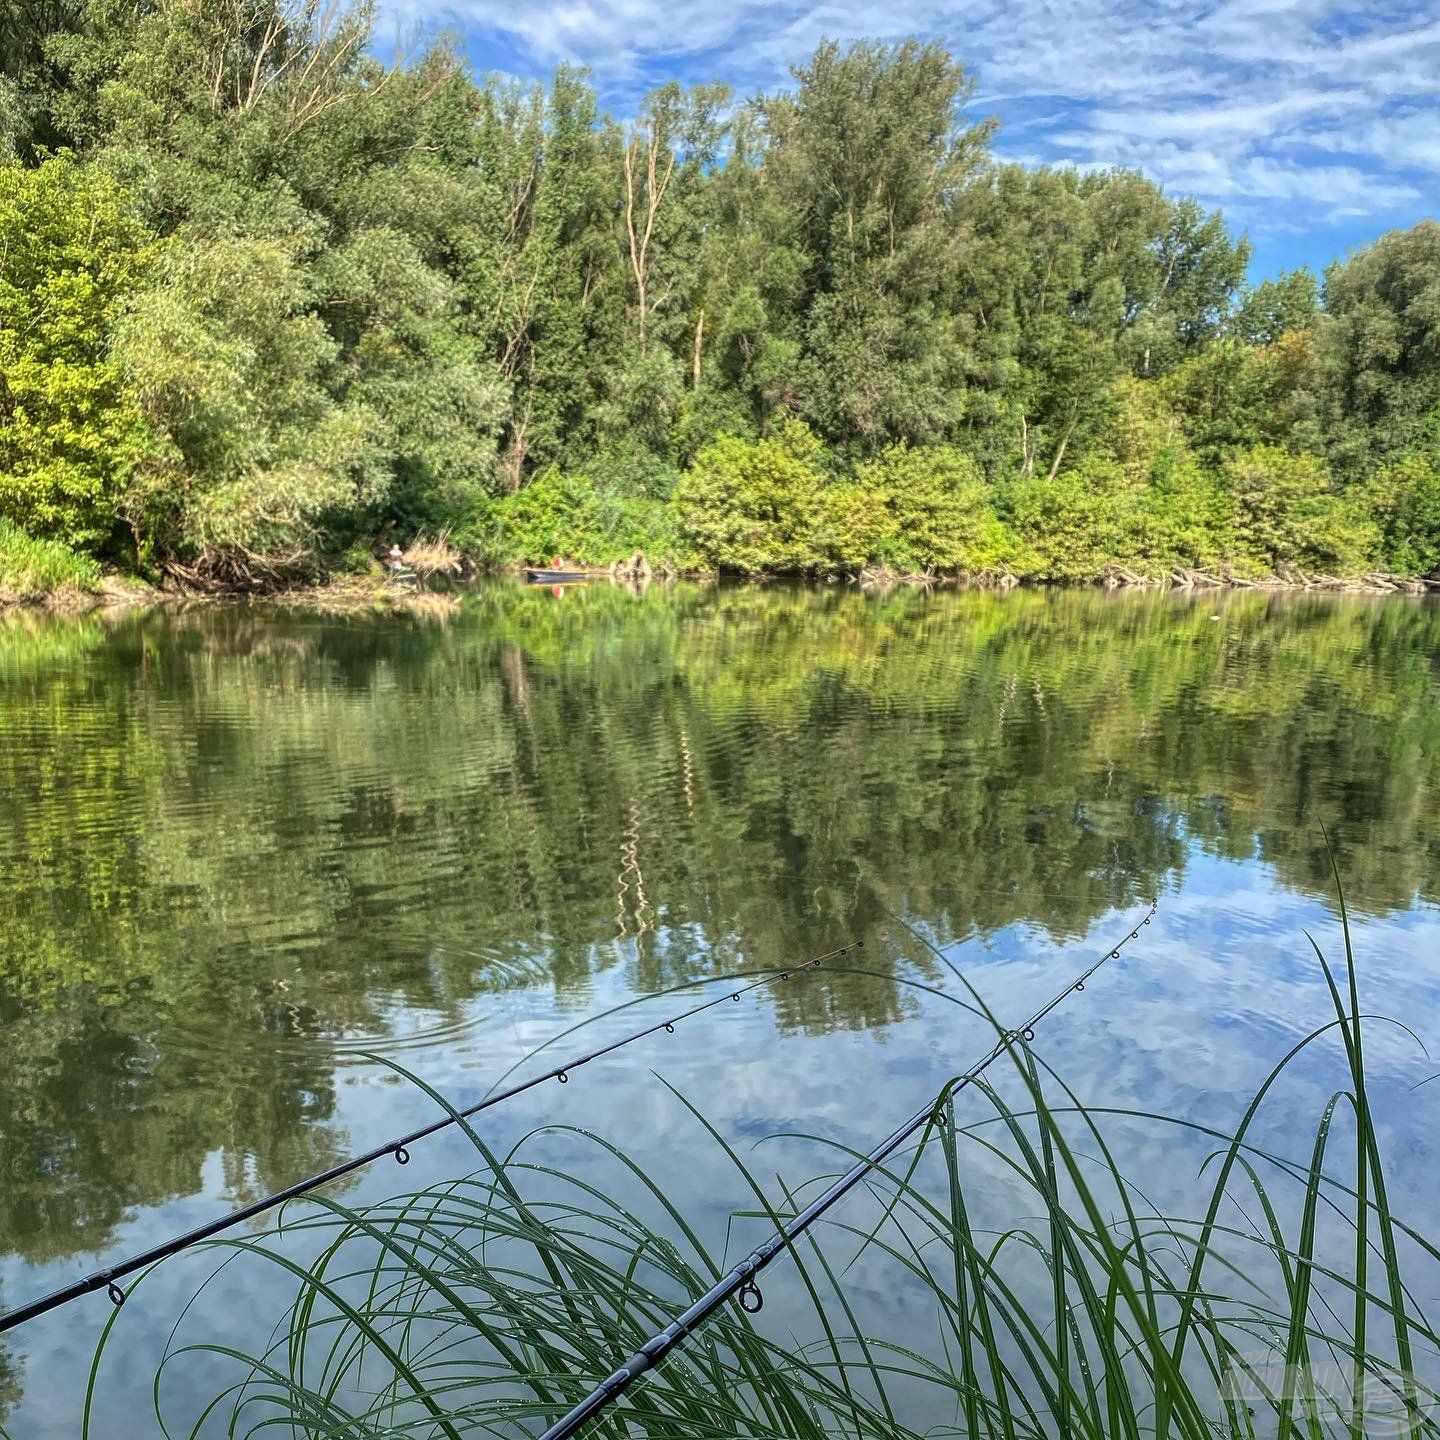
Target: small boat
[556,577]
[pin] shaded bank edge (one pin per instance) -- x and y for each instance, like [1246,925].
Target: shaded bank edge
[353,593]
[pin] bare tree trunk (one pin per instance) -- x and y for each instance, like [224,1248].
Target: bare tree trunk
[1064,441]
[639,234]
[699,334]
[512,458]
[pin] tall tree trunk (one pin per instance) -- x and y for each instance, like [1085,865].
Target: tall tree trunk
[639,231]
[1064,441]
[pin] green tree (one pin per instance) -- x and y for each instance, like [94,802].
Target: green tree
[9,120]
[1380,351]
[1277,307]
[73,254]
[1288,514]
[867,154]
[33,82]
[1233,396]
[1066,282]
[228,360]
[1187,284]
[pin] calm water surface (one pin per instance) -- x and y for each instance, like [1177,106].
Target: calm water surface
[247,851]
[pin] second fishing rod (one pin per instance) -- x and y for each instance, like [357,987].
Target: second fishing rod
[739,1282]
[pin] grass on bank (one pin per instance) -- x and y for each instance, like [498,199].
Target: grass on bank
[429,555]
[1292,1303]
[30,568]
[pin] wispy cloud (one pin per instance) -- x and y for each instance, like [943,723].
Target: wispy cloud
[1285,111]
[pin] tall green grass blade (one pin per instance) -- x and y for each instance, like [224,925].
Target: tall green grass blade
[487,1305]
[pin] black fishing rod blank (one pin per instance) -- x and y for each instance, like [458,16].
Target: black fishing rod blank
[109,1278]
[740,1282]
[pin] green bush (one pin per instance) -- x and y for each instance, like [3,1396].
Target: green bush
[854,525]
[556,514]
[1287,514]
[1404,499]
[31,567]
[653,528]
[1185,518]
[357,559]
[941,515]
[561,513]
[758,506]
[1074,526]
[752,506]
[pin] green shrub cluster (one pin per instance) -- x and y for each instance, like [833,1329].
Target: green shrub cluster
[773,504]
[784,504]
[31,567]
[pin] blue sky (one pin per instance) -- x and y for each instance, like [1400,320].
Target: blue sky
[1314,125]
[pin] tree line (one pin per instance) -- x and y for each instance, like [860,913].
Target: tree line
[268,301]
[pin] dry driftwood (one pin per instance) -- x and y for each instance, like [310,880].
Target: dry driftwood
[232,569]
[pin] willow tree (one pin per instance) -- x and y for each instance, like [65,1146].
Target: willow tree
[1381,350]
[868,154]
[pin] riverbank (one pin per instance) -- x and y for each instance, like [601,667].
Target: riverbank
[336,594]
[352,593]
[108,592]
[1119,578]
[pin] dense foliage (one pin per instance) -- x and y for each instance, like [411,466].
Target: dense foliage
[31,567]
[263,297]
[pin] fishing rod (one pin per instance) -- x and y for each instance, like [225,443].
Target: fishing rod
[740,1281]
[109,1278]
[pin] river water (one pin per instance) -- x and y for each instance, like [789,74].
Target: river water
[250,854]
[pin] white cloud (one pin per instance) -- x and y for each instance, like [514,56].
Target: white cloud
[1328,107]
[1245,182]
[1250,119]
[1410,139]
